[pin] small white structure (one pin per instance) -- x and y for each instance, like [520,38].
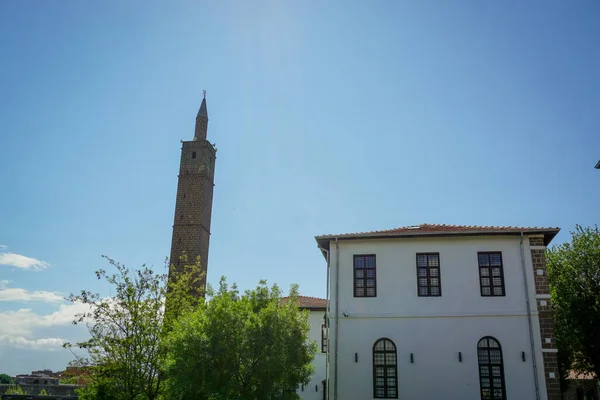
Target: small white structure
[440,312]
[316,388]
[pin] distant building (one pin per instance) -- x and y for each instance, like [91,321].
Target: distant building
[37,381]
[440,312]
[316,389]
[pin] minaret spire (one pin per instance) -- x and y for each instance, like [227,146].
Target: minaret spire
[201,120]
[193,203]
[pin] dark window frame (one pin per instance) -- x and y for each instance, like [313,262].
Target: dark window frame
[364,278]
[428,276]
[324,338]
[487,364]
[386,366]
[490,275]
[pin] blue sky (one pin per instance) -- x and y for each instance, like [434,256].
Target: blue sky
[328,117]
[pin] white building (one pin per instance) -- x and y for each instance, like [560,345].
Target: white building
[315,389]
[440,312]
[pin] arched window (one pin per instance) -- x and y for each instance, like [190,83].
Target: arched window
[491,369]
[385,370]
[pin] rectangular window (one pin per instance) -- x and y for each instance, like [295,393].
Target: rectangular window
[428,274]
[365,282]
[323,338]
[491,273]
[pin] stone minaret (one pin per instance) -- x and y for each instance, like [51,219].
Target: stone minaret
[193,206]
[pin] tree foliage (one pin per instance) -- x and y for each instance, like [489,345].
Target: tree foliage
[125,349]
[574,274]
[234,347]
[6,379]
[15,389]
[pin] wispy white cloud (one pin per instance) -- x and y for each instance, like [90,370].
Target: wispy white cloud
[24,322]
[20,261]
[3,247]
[36,344]
[22,295]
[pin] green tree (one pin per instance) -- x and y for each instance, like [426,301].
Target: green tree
[574,274]
[240,347]
[43,393]
[6,379]
[125,349]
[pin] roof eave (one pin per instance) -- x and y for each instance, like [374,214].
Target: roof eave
[313,308]
[323,241]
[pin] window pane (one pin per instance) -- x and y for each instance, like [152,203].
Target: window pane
[359,262]
[370,273]
[498,291]
[497,281]
[435,291]
[422,272]
[485,281]
[495,357]
[486,291]
[370,283]
[483,260]
[370,261]
[360,273]
[422,281]
[434,272]
[421,260]
[484,271]
[423,291]
[359,283]
[359,292]
[435,281]
[482,357]
[370,292]
[496,271]
[390,358]
[434,261]
[495,259]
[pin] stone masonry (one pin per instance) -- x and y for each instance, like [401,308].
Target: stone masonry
[544,306]
[193,205]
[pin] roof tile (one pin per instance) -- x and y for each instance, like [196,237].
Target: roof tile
[310,302]
[442,229]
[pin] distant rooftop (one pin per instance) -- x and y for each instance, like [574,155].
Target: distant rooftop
[310,303]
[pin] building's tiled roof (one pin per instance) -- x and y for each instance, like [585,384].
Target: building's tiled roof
[310,303]
[442,230]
